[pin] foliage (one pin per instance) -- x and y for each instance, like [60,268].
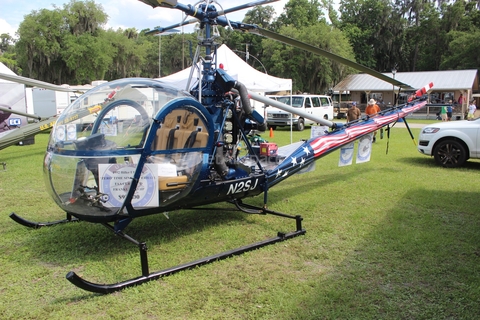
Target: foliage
[262,16]
[71,45]
[412,35]
[6,42]
[300,14]
[309,72]
[367,26]
[39,46]
[9,60]
[463,50]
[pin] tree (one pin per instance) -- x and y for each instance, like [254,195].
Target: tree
[39,46]
[462,20]
[462,51]
[366,25]
[61,45]
[300,13]
[87,57]
[8,59]
[6,43]
[426,46]
[260,15]
[309,72]
[84,17]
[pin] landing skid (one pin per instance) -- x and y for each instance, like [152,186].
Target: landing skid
[147,276]
[36,225]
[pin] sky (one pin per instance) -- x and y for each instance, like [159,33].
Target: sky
[122,13]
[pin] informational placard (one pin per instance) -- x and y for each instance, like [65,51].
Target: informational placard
[364,148]
[60,133]
[167,170]
[116,179]
[66,132]
[346,155]
[71,131]
[108,129]
[318,131]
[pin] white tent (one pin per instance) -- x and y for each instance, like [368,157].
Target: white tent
[4,69]
[238,69]
[12,95]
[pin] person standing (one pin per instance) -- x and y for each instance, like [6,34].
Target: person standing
[443,113]
[371,110]
[461,101]
[471,110]
[449,110]
[353,113]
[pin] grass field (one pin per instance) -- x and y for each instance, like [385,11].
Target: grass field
[395,238]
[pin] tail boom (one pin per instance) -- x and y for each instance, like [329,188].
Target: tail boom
[317,147]
[337,139]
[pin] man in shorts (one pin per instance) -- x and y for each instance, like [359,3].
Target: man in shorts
[371,110]
[449,110]
[471,110]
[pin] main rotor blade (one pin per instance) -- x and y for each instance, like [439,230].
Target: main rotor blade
[173,26]
[160,3]
[245,6]
[302,45]
[34,83]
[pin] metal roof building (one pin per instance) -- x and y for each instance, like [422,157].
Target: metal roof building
[449,80]
[447,85]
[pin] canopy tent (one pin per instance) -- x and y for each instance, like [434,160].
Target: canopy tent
[12,96]
[238,69]
[5,70]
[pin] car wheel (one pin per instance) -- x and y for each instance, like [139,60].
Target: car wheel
[273,127]
[300,125]
[450,154]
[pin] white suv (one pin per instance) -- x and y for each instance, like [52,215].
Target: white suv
[451,143]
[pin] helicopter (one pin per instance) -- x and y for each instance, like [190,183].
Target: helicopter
[12,135]
[136,147]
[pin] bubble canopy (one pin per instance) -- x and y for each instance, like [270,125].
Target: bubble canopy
[106,125]
[123,105]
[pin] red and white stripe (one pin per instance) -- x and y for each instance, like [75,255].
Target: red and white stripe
[424,90]
[325,143]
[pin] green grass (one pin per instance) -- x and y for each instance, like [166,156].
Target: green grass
[395,238]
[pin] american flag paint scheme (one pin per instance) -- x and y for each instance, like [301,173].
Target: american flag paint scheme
[317,147]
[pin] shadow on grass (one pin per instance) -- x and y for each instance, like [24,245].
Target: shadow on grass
[298,184]
[83,241]
[80,244]
[419,262]
[429,162]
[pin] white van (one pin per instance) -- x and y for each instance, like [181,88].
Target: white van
[320,106]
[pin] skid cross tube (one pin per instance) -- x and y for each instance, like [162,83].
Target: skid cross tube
[147,276]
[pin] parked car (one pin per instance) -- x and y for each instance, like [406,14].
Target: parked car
[451,143]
